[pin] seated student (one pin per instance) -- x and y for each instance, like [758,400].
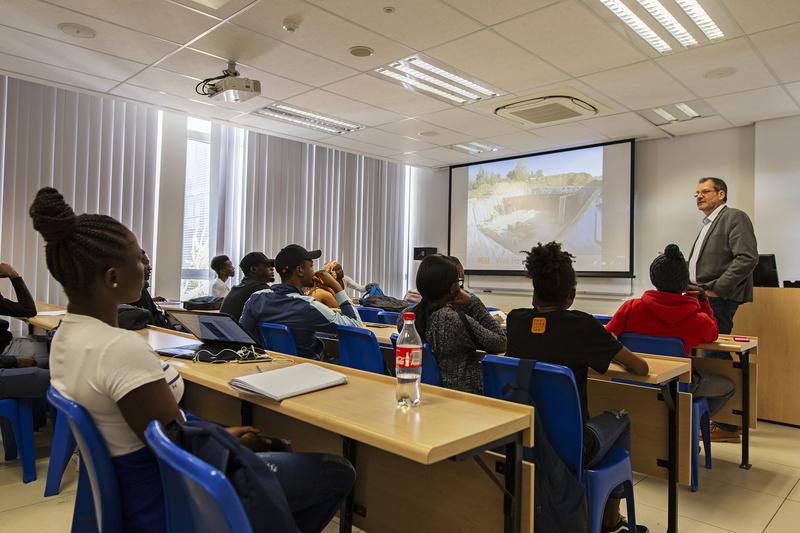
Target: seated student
[323,294]
[146,301]
[551,333]
[454,336]
[117,377]
[259,272]
[285,303]
[667,312]
[223,268]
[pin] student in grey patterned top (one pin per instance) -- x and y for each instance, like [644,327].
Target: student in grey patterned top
[455,325]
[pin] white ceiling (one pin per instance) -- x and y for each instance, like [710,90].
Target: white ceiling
[155,51]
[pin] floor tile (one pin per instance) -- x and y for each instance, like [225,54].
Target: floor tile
[656,520]
[53,515]
[770,442]
[17,494]
[764,476]
[637,477]
[787,519]
[795,494]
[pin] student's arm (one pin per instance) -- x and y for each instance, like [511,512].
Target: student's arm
[490,339]
[323,296]
[24,307]
[632,362]
[151,401]
[350,283]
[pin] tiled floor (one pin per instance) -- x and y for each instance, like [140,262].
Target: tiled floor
[763,499]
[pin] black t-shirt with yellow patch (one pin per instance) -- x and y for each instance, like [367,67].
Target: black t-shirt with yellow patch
[571,338]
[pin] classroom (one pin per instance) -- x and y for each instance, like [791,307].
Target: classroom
[401,265]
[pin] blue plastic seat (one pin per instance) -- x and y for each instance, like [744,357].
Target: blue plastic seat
[198,497]
[18,434]
[97,503]
[369,314]
[603,319]
[61,449]
[654,345]
[359,348]
[277,338]
[430,367]
[555,396]
[389,317]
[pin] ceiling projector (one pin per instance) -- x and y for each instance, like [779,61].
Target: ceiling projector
[229,87]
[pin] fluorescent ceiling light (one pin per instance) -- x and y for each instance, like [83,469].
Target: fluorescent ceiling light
[436,81]
[665,18]
[666,115]
[417,62]
[636,24]
[419,85]
[308,119]
[316,116]
[701,18]
[470,149]
[688,111]
[475,148]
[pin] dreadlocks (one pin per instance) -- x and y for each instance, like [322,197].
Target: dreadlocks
[551,270]
[78,248]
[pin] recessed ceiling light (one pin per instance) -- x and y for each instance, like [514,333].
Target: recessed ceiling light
[666,115]
[665,18]
[718,73]
[77,30]
[428,133]
[475,148]
[636,24]
[701,18]
[309,119]
[361,51]
[687,110]
[389,10]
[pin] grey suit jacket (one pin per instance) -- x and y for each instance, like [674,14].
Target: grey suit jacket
[728,256]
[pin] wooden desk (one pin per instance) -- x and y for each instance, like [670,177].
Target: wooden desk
[46,322]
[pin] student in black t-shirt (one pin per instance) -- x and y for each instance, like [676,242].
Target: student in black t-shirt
[552,333]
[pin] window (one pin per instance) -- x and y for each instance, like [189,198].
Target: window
[195,273]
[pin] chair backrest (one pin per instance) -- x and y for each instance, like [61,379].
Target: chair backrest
[430,366]
[603,319]
[277,337]
[651,344]
[95,458]
[554,394]
[358,348]
[198,497]
[369,314]
[388,317]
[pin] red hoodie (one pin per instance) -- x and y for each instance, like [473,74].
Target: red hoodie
[667,314]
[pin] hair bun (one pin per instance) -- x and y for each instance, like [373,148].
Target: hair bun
[673,252]
[52,216]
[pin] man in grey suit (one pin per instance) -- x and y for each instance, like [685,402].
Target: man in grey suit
[722,261]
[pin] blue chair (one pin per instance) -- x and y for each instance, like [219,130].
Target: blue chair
[359,348]
[651,344]
[369,314]
[198,497]
[277,337]
[555,396]
[97,503]
[61,450]
[430,367]
[18,434]
[603,319]
[389,317]
[492,309]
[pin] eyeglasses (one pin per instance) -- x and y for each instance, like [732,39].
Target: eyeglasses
[704,192]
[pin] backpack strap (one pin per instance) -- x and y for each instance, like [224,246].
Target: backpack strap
[520,391]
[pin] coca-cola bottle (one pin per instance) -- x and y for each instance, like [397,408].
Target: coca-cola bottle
[408,363]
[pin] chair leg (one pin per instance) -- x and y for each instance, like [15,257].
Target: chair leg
[9,428]
[695,445]
[631,505]
[597,507]
[705,422]
[61,451]
[83,517]
[27,451]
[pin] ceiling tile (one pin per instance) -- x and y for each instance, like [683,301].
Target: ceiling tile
[496,61]
[639,86]
[417,161]
[344,108]
[321,32]
[371,90]
[493,12]
[755,15]
[398,143]
[745,108]
[794,89]
[16,66]
[264,53]
[697,125]
[446,155]
[521,141]
[154,98]
[570,36]
[279,129]
[462,120]
[356,147]
[781,50]
[156,17]
[570,134]
[691,66]
[217,8]
[30,46]
[412,127]
[419,24]
[43,19]
[624,126]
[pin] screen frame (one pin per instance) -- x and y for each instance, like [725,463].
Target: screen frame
[580,273]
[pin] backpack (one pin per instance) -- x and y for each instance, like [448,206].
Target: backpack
[259,490]
[132,317]
[204,303]
[387,303]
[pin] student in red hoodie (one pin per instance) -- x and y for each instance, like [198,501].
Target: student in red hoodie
[676,309]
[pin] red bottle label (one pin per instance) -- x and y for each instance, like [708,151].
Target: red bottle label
[408,357]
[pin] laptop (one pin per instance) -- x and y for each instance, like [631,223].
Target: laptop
[220,334]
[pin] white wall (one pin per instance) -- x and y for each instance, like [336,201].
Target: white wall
[777,193]
[428,214]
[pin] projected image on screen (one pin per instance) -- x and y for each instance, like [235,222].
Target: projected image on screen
[579,197]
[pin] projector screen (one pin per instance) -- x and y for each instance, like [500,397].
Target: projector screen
[580,197]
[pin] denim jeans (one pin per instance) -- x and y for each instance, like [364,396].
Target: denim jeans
[723,311]
[600,434]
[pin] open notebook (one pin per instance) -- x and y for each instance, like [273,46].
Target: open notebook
[289,381]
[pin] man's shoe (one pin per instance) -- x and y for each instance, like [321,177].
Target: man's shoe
[622,527]
[723,435]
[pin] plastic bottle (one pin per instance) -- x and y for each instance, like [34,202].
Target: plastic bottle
[408,363]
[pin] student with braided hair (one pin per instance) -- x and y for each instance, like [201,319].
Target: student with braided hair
[552,333]
[118,379]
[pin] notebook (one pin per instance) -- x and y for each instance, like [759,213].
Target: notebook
[289,381]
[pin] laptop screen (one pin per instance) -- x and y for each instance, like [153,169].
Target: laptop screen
[213,327]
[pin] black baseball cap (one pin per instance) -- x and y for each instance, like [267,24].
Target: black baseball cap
[253,259]
[292,255]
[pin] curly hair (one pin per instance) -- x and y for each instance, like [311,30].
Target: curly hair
[551,270]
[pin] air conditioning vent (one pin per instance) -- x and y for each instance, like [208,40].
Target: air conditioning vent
[547,109]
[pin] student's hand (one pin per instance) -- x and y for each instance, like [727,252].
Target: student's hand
[240,431]
[325,279]
[461,298]
[159,299]
[7,271]
[25,362]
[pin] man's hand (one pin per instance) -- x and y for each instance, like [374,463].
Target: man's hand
[239,431]
[25,362]
[696,292]
[712,294]
[327,280]
[7,271]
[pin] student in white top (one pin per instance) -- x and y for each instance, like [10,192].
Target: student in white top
[120,381]
[224,269]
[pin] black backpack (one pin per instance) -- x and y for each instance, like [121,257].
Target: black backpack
[204,303]
[387,303]
[258,488]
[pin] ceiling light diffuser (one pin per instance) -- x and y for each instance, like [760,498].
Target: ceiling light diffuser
[688,111]
[666,115]
[701,18]
[665,18]
[636,24]
[308,119]
[475,148]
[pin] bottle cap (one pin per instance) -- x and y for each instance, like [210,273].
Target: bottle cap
[408,316]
